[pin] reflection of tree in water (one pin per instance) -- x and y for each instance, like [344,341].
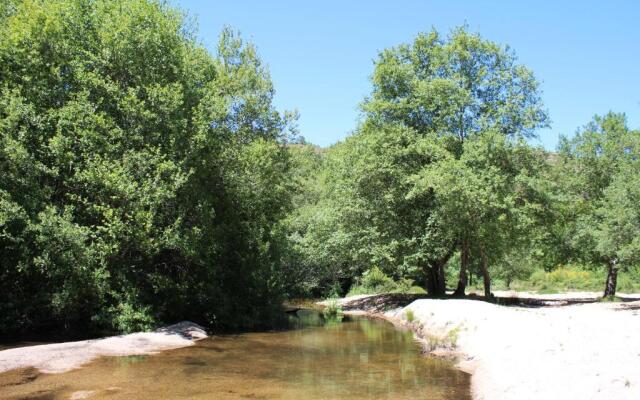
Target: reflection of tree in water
[320,358]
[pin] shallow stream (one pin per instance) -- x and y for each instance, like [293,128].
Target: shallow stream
[358,358]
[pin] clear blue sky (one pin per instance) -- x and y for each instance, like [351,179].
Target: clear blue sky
[320,54]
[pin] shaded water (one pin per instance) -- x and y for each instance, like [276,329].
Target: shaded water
[356,359]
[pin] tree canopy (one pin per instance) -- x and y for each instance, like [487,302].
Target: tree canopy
[142,176]
[147,180]
[460,85]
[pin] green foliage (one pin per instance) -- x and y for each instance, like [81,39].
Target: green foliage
[401,184]
[600,170]
[314,254]
[453,335]
[332,309]
[461,85]
[517,264]
[130,317]
[144,179]
[374,278]
[375,281]
[565,279]
[448,341]
[575,278]
[489,196]
[440,168]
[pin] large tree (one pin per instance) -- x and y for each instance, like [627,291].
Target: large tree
[142,175]
[455,87]
[489,198]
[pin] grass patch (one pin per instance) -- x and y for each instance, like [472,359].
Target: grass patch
[333,309]
[410,315]
[448,341]
[453,335]
[610,299]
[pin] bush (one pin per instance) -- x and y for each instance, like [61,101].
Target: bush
[564,279]
[376,281]
[128,318]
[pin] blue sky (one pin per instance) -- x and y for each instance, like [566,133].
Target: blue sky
[320,54]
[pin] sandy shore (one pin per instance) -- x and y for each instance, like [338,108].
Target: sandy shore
[62,357]
[583,351]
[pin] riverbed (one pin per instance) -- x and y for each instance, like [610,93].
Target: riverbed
[316,358]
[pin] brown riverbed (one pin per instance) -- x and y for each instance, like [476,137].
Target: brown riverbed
[357,358]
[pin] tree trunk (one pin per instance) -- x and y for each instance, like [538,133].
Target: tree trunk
[434,271]
[485,276]
[612,279]
[430,282]
[464,265]
[436,285]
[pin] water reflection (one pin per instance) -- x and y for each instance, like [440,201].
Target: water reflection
[318,358]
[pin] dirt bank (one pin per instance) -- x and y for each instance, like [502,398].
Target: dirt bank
[578,351]
[62,357]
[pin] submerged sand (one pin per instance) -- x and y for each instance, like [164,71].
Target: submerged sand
[581,351]
[62,357]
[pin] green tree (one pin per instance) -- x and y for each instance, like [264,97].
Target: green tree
[459,86]
[618,224]
[371,178]
[318,252]
[143,178]
[600,165]
[456,88]
[489,198]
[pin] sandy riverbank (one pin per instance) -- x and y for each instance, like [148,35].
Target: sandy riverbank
[581,351]
[62,357]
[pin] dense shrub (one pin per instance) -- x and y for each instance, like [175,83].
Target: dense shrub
[142,177]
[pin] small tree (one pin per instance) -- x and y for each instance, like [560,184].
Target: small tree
[614,227]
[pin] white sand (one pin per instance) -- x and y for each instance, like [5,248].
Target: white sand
[582,351]
[62,357]
[588,351]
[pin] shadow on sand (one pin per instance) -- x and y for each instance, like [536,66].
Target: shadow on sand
[383,302]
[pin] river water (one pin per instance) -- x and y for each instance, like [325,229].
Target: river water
[357,358]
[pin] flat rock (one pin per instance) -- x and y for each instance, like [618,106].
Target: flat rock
[62,357]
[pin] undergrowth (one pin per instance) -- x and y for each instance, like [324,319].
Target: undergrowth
[375,281]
